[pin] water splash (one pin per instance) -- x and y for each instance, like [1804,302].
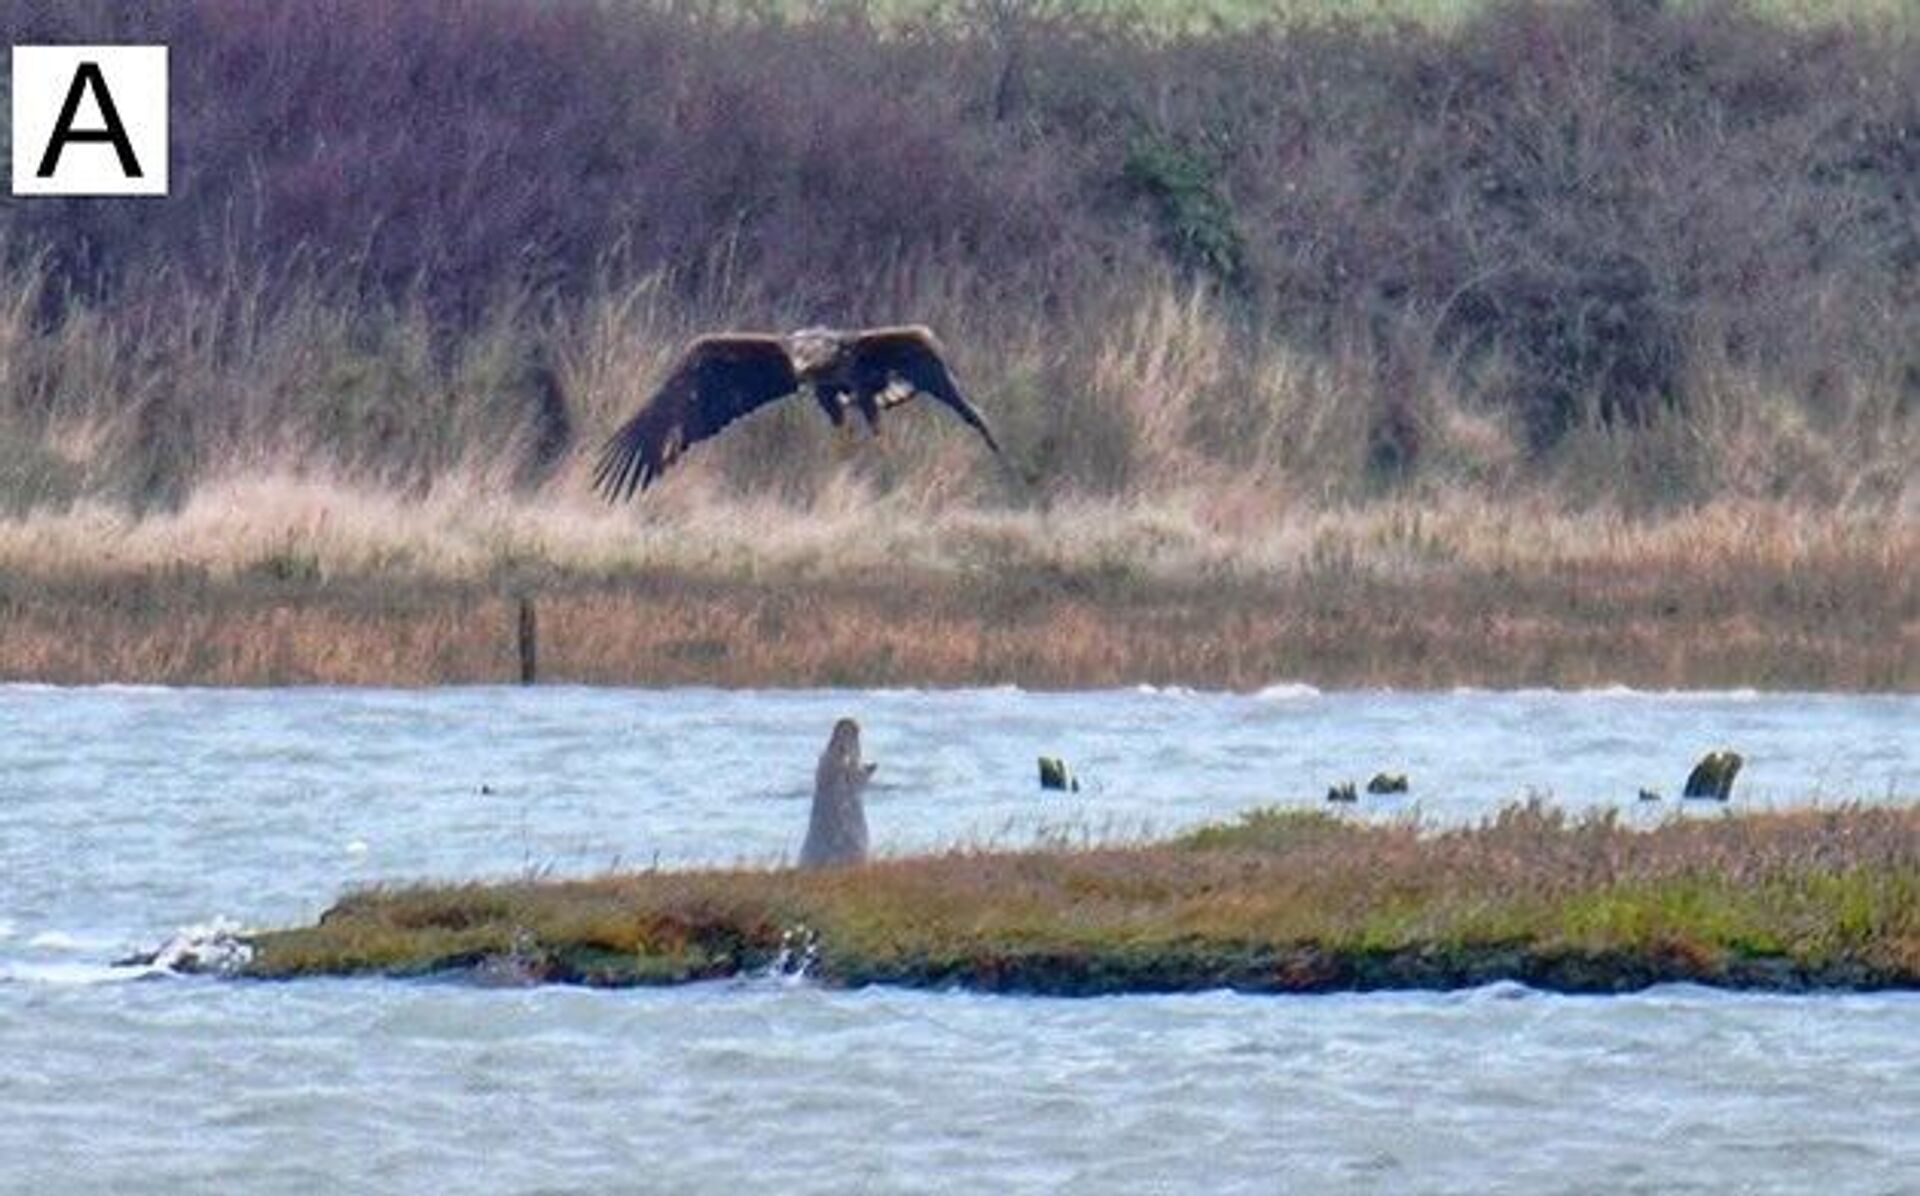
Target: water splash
[523,965]
[213,948]
[799,951]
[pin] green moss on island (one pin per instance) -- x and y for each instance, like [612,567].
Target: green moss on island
[1280,901]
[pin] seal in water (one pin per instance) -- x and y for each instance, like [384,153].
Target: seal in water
[837,831]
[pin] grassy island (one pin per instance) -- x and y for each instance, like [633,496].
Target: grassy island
[1280,901]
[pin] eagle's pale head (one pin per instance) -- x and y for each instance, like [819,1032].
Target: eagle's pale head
[814,349]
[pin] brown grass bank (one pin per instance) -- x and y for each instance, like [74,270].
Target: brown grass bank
[1277,902]
[247,593]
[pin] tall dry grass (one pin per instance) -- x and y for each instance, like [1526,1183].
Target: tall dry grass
[1150,397]
[1586,326]
[288,583]
[468,529]
[1648,256]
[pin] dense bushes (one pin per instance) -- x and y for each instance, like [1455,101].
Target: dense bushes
[1548,219]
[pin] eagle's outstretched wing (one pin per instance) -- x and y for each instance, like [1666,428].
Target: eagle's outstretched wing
[717,380]
[911,354]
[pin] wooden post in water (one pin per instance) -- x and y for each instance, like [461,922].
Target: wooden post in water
[529,648]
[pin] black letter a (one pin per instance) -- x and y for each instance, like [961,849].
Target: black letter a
[63,130]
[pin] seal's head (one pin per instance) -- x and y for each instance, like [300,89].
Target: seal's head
[845,743]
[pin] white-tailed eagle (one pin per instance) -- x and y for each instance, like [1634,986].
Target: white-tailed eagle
[724,376]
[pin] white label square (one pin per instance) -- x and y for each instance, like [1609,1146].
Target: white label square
[89,120]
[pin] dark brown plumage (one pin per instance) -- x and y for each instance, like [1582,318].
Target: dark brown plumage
[725,376]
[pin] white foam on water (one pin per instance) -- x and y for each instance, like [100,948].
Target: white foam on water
[74,974]
[121,687]
[1498,990]
[1626,692]
[924,691]
[213,946]
[1287,691]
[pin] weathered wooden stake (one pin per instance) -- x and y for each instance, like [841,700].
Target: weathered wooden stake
[529,649]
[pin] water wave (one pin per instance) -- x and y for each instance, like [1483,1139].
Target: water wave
[97,687]
[72,973]
[922,691]
[1627,692]
[1287,691]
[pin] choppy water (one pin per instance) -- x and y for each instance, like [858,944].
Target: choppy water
[125,813]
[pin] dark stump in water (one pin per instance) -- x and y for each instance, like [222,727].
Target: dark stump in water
[1054,774]
[1712,778]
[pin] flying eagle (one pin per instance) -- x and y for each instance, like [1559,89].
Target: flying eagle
[724,376]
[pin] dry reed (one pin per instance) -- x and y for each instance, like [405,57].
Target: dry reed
[277,582]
